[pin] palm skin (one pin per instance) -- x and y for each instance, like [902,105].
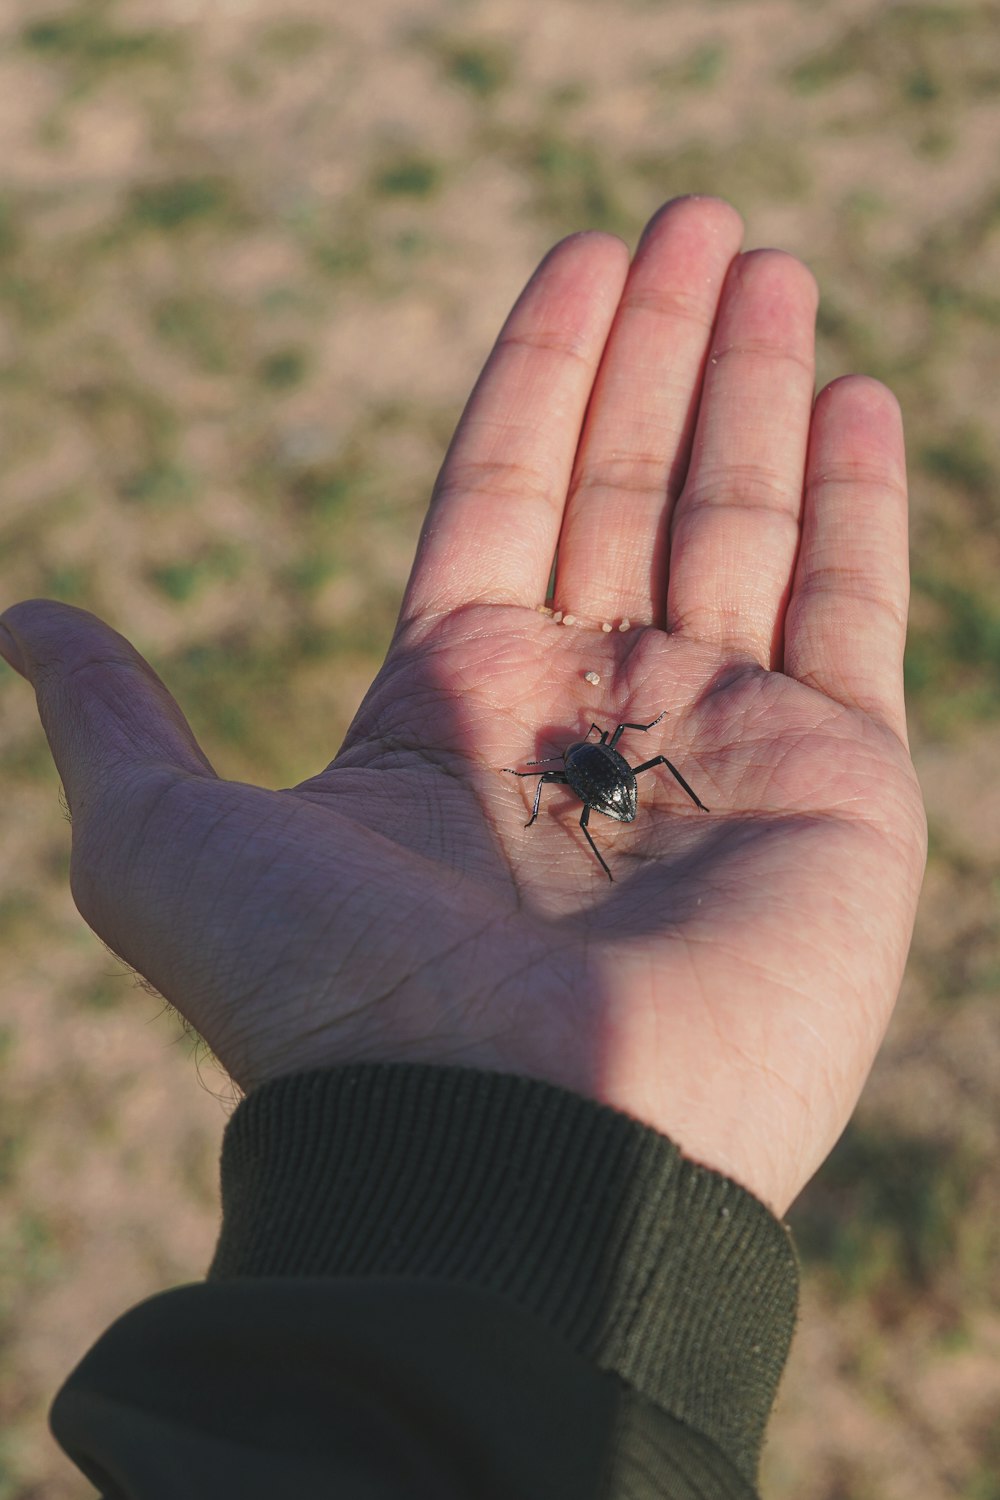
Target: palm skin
[733,984]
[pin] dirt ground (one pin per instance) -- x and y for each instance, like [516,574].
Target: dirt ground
[250,262]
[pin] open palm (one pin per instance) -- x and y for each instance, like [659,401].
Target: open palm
[749,551]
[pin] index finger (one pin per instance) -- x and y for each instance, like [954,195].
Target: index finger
[491,531]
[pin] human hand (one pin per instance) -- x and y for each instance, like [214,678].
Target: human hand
[732,986]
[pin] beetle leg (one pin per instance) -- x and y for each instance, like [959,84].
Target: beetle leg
[543,776]
[584,820]
[602,732]
[661,760]
[622,727]
[548,776]
[511,772]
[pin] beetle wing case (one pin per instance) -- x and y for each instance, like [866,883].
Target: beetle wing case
[602,779]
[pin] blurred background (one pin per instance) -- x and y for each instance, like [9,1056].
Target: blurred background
[251,261]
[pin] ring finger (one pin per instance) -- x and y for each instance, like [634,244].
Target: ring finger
[736,524]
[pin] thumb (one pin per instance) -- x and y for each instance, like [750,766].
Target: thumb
[105,712]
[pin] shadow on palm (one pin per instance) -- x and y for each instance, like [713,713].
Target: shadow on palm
[495,686]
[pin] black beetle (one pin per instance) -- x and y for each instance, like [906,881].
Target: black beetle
[602,778]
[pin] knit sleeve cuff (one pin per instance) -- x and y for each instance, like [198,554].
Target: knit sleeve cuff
[664,1272]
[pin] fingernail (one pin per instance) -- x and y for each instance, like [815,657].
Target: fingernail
[10,650]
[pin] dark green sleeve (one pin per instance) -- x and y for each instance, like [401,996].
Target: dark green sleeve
[438,1282]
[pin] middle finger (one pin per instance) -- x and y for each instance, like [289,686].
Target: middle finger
[636,441]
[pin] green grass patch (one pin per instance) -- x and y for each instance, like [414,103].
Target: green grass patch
[295,40]
[310,571]
[952,665]
[705,65]
[346,253]
[37,297]
[218,683]
[921,56]
[28,758]
[132,426]
[161,483]
[983,1483]
[336,240]
[967,967]
[702,68]
[410,174]
[202,327]
[966,459]
[104,992]
[412,244]
[575,183]
[483,68]
[882,1219]
[87,39]
[180,203]
[327,490]
[11,227]
[283,369]
[182,579]
[752,169]
[68,582]
[236,690]
[239,691]
[178,581]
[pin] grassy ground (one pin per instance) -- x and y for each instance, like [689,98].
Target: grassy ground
[249,267]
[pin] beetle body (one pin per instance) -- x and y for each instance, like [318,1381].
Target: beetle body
[602,779]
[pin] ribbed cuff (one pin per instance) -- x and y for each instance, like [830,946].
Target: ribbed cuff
[662,1271]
